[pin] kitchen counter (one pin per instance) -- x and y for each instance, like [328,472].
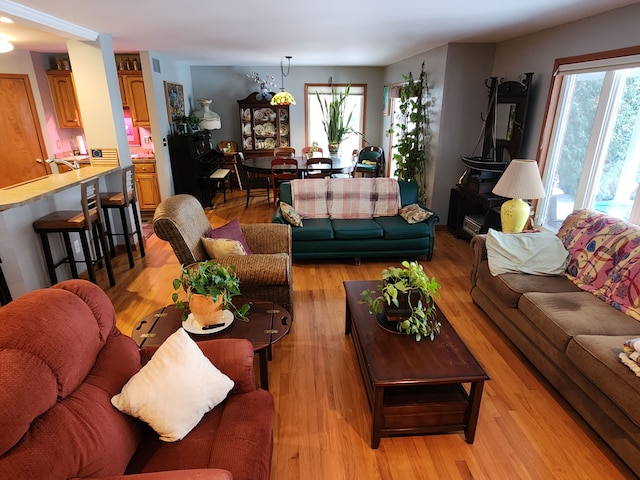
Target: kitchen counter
[38,188]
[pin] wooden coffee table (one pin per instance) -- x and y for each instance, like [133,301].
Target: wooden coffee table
[413,387]
[268,323]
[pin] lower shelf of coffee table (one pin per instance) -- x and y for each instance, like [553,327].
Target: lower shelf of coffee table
[424,409]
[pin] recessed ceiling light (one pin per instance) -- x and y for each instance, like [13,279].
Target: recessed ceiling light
[5,45]
[6,20]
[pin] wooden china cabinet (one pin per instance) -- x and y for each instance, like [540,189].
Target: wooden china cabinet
[263,126]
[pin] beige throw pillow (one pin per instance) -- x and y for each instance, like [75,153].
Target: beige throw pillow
[290,215]
[175,389]
[414,213]
[222,247]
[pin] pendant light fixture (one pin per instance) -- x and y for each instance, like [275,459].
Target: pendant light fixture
[283,97]
[5,45]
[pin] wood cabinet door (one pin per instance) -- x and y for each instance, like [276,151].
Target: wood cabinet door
[148,190]
[65,103]
[137,100]
[22,150]
[123,91]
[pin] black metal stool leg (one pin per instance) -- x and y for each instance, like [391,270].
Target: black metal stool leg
[107,261]
[87,256]
[127,235]
[48,258]
[71,259]
[107,223]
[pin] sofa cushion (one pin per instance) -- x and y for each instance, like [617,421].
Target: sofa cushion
[561,316]
[605,258]
[175,389]
[231,230]
[314,229]
[396,228]
[596,357]
[355,229]
[509,287]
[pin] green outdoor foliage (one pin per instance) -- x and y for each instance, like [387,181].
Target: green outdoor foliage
[412,150]
[209,279]
[336,124]
[410,279]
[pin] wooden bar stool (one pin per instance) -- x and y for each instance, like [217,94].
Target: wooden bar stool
[121,201]
[87,220]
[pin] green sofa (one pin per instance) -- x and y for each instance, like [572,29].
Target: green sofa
[389,236]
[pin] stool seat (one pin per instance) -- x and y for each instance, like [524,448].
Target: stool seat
[219,179]
[88,220]
[121,200]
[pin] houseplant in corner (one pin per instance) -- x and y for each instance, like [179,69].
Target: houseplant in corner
[209,289]
[412,150]
[336,124]
[406,297]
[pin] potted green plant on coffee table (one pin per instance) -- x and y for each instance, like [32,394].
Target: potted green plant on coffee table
[209,288]
[406,297]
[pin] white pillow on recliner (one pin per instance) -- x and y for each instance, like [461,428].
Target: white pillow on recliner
[175,389]
[536,253]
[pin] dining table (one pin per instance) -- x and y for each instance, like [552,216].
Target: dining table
[262,165]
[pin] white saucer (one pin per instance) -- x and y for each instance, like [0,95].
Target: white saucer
[191,326]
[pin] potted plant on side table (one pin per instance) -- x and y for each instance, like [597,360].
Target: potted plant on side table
[210,288]
[406,297]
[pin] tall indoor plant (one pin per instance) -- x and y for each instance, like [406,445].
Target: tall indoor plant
[413,146]
[336,124]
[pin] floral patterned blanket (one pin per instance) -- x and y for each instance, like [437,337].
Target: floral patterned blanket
[605,258]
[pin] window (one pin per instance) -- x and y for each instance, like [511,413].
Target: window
[355,103]
[591,154]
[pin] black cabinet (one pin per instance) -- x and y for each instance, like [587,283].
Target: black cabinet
[193,159]
[471,212]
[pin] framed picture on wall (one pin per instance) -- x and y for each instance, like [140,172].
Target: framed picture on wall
[174,93]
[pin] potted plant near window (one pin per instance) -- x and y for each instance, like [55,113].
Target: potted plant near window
[413,147]
[406,297]
[209,289]
[334,121]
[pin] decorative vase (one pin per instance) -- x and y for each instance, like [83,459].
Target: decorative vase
[333,148]
[205,311]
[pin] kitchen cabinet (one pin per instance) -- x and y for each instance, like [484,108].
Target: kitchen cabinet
[65,102]
[147,186]
[263,126]
[134,97]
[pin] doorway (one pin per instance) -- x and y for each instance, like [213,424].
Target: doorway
[22,150]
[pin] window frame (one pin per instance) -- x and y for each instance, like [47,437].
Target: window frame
[554,101]
[310,89]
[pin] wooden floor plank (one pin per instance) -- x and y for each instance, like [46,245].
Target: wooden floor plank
[322,428]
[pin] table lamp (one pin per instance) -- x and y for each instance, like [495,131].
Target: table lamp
[520,180]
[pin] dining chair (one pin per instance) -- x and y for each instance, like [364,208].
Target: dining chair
[284,152]
[283,169]
[319,167]
[254,182]
[371,162]
[230,150]
[307,149]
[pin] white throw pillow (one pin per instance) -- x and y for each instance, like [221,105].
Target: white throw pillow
[175,389]
[222,247]
[537,253]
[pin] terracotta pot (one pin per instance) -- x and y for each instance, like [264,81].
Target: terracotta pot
[205,311]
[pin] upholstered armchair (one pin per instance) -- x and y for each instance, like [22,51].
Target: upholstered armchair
[266,274]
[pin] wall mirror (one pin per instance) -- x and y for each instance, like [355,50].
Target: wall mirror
[504,124]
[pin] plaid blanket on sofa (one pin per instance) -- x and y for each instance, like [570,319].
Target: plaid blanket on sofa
[605,258]
[309,197]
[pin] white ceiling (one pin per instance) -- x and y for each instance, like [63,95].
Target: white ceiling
[257,32]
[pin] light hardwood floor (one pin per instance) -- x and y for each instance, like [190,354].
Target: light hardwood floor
[322,427]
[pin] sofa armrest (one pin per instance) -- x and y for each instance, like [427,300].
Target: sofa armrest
[478,247]
[433,219]
[232,356]
[193,474]
[268,237]
[277,217]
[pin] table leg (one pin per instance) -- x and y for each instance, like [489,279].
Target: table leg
[377,419]
[264,372]
[475,395]
[347,319]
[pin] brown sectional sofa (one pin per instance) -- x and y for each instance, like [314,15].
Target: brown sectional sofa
[573,338]
[62,361]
